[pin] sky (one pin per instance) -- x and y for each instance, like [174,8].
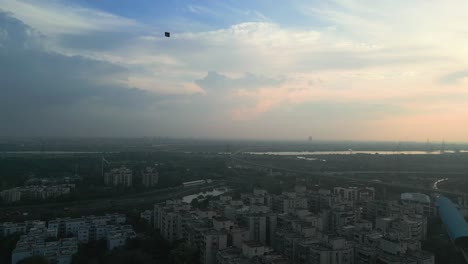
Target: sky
[390,70]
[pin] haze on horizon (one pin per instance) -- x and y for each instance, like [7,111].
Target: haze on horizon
[339,69]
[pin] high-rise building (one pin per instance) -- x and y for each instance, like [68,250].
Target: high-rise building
[11,195]
[212,241]
[149,177]
[119,177]
[333,250]
[262,227]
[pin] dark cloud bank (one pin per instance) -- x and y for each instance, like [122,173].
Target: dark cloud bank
[44,93]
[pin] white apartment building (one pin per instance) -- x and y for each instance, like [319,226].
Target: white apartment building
[34,244]
[9,228]
[94,225]
[407,226]
[117,236]
[11,195]
[119,177]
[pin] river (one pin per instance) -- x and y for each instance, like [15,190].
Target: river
[350,152]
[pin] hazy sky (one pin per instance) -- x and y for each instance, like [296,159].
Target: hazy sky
[343,69]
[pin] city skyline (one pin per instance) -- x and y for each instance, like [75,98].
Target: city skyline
[335,70]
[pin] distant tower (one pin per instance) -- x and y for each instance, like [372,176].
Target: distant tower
[149,177]
[310,138]
[103,160]
[442,147]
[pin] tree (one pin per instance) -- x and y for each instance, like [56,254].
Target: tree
[185,253]
[34,260]
[7,244]
[92,252]
[128,257]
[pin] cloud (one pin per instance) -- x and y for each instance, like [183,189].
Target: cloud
[214,77]
[216,81]
[65,18]
[199,10]
[454,77]
[46,93]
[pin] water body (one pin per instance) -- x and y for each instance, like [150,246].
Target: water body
[311,159]
[350,152]
[214,192]
[34,152]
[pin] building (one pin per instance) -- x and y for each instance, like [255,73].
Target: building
[320,200]
[170,218]
[193,183]
[254,248]
[364,254]
[118,236]
[9,228]
[231,255]
[211,242]
[237,236]
[288,202]
[395,250]
[418,203]
[94,224]
[407,226]
[11,195]
[147,215]
[341,217]
[286,242]
[170,227]
[456,226]
[149,177]
[222,223]
[346,194]
[251,199]
[39,242]
[304,227]
[36,192]
[377,208]
[333,250]
[262,227]
[119,177]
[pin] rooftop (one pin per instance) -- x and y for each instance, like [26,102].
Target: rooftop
[253,243]
[455,223]
[415,197]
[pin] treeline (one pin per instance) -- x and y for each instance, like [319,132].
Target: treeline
[173,167]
